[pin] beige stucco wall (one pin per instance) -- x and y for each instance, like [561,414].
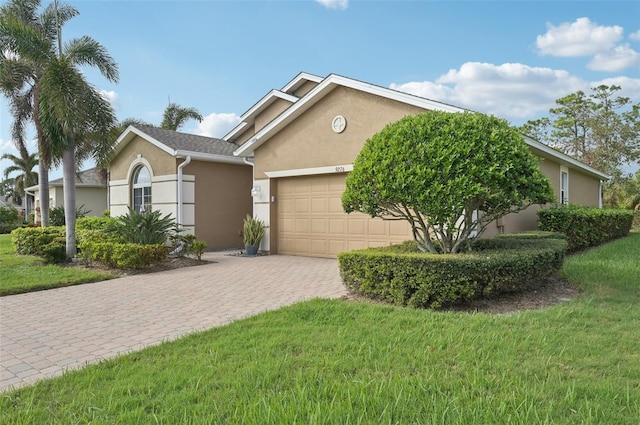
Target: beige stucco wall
[161,162]
[245,135]
[222,200]
[272,111]
[309,141]
[304,88]
[583,189]
[94,199]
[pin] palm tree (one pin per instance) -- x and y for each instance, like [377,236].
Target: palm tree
[175,116]
[22,29]
[24,165]
[69,114]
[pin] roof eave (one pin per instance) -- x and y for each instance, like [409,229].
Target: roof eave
[249,116]
[209,157]
[566,159]
[321,90]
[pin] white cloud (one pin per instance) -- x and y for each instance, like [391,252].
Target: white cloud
[615,59]
[629,87]
[217,125]
[334,4]
[635,36]
[510,90]
[109,95]
[579,38]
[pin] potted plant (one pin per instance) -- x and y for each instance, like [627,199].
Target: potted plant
[253,231]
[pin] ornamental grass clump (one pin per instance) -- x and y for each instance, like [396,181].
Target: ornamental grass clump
[253,231]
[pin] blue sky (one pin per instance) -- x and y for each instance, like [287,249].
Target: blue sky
[508,58]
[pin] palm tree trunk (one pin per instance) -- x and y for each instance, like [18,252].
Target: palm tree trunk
[43,189]
[44,162]
[69,189]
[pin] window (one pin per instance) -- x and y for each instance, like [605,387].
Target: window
[141,195]
[564,187]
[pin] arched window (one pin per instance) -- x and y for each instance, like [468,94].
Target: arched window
[141,193]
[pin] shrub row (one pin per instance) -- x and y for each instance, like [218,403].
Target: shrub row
[586,226]
[123,255]
[46,242]
[397,275]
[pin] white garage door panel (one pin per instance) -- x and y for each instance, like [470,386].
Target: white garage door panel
[311,221]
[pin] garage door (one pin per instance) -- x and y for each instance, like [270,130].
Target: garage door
[311,221]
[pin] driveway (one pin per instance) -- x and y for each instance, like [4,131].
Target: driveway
[42,334]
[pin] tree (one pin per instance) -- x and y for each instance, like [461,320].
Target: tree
[76,118]
[26,40]
[175,116]
[41,79]
[24,165]
[8,191]
[448,174]
[602,130]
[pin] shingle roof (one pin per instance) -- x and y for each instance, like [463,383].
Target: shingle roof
[90,177]
[189,142]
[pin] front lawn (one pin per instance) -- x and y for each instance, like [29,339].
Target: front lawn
[339,362]
[24,273]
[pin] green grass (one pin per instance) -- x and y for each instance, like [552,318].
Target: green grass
[24,273]
[335,362]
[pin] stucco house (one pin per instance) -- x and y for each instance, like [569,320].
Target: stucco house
[91,192]
[196,179]
[302,141]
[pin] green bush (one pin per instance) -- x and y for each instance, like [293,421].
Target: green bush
[124,255]
[396,275]
[586,226]
[147,228]
[9,219]
[96,223]
[197,248]
[55,252]
[45,242]
[57,218]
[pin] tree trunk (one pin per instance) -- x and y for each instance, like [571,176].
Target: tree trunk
[43,189]
[69,189]
[44,161]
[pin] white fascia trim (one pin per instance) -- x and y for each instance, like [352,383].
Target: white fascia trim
[303,76]
[266,101]
[261,105]
[209,157]
[320,91]
[332,169]
[566,159]
[125,138]
[234,131]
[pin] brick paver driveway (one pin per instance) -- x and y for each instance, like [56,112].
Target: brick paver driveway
[44,333]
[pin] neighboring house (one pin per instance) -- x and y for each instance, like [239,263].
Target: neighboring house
[196,179]
[91,193]
[303,140]
[9,204]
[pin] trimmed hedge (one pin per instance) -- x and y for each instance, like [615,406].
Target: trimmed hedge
[586,226]
[123,255]
[397,275]
[31,240]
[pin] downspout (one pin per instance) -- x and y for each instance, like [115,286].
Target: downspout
[186,162]
[246,161]
[600,188]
